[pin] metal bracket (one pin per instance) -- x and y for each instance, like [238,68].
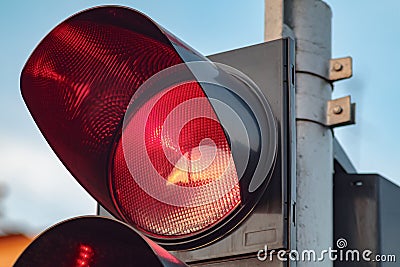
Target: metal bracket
[340,112]
[340,68]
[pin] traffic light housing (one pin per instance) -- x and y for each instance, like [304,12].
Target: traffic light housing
[367,204]
[272,222]
[187,151]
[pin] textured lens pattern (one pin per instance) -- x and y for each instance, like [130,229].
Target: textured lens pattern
[210,170]
[78,83]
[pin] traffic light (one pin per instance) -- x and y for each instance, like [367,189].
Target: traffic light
[78,242]
[197,156]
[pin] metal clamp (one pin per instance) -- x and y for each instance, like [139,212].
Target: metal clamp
[340,112]
[340,68]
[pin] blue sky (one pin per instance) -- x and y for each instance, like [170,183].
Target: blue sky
[40,192]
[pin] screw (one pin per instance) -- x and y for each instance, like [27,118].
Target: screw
[358,183]
[337,109]
[337,66]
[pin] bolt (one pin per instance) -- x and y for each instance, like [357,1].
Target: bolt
[337,109]
[337,66]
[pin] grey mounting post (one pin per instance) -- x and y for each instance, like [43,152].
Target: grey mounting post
[309,23]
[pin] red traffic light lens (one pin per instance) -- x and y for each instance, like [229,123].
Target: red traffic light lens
[188,177]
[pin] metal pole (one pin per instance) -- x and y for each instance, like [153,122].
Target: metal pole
[309,22]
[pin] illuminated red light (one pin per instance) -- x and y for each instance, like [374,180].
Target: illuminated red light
[85,256]
[209,166]
[78,84]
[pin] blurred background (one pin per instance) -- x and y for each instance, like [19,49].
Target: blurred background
[36,191]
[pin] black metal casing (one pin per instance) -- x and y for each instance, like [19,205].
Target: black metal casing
[271,66]
[366,214]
